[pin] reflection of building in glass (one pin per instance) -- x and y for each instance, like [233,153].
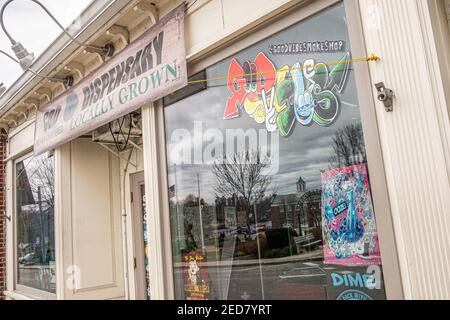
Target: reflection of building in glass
[35,224]
[300,210]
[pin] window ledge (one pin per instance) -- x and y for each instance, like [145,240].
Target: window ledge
[17,296]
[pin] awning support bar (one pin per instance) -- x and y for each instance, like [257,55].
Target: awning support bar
[118,155]
[135,145]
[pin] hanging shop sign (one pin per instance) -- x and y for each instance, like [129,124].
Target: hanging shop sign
[348,222]
[148,69]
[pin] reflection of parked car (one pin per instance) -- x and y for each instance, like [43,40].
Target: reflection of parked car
[242,230]
[27,259]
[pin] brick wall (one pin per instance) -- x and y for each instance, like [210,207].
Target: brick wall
[2,215]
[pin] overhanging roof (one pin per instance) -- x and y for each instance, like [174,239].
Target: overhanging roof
[91,20]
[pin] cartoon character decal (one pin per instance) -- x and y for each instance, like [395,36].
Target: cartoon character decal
[196,278]
[306,92]
[193,269]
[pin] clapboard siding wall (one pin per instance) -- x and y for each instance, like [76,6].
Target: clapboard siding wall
[415,141]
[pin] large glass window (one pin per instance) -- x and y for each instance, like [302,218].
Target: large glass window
[35,200]
[269,187]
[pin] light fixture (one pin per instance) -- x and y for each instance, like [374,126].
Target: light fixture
[68,81]
[26,58]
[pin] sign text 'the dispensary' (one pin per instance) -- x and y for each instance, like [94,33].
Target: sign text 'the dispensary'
[148,69]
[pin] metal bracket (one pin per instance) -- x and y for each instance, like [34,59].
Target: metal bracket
[386,96]
[118,155]
[106,51]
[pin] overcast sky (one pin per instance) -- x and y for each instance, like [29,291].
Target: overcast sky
[305,153]
[31,26]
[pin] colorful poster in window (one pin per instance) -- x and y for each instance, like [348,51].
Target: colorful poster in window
[348,222]
[196,282]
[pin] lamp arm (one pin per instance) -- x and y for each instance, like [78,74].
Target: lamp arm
[9,56]
[11,39]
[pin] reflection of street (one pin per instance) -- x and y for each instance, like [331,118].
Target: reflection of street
[36,276]
[289,278]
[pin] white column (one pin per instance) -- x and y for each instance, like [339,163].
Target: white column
[160,255]
[415,141]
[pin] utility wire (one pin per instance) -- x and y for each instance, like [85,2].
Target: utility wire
[32,71]
[373,57]
[266,79]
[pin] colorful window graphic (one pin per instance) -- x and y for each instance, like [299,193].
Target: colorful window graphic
[348,221]
[269,193]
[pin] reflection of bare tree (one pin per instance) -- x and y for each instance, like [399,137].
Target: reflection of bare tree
[348,147]
[191,201]
[42,181]
[242,175]
[35,200]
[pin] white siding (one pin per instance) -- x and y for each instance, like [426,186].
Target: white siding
[415,141]
[90,222]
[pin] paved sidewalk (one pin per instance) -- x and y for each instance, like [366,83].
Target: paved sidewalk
[315,255]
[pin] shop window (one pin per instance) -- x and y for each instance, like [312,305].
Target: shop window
[283,131]
[35,221]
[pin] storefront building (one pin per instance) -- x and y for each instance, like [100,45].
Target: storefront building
[233,150]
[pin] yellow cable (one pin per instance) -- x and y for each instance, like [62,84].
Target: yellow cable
[372,57]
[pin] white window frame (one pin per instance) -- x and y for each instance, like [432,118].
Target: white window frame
[19,288]
[162,281]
